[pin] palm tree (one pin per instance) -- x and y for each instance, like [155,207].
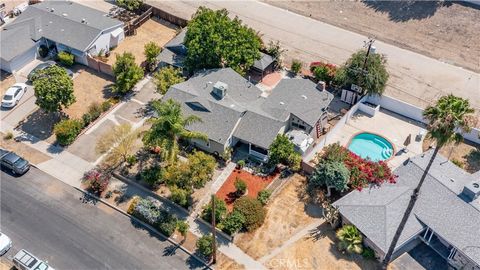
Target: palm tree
[449,115]
[350,239]
[168,127]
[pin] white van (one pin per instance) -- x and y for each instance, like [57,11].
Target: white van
[23,260]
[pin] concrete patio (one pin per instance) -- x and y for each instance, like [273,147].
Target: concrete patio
[393,127]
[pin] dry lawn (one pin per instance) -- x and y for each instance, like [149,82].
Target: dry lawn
[447,31]
[466,154]
[5,264]
[320,253]
[154,29]
[32,155]
[225,263]
[288,213]
[89,87]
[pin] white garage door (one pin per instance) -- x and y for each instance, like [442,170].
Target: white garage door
[21,60]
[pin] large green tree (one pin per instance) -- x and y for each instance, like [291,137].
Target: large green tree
[446,118]
[127,73]
[214,40]
[373,78]
[151,51]
[53,89]
[330,174]
[282,150]
[168,127]
[166,77]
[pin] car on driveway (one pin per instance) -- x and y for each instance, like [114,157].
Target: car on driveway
[13,162]
[24,260]
[13,95]
[32,75]
[5,243]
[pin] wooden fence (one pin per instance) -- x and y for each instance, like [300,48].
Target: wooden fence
[100,66]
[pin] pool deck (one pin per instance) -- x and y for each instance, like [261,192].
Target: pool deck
[391,126]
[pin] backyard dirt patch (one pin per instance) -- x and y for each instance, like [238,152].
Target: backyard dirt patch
[6,80]
[440,29]
[224,263]
[89,87]
[318,251]
[154,29]
[32,155]
[287,213]
[466,154]
[254,183]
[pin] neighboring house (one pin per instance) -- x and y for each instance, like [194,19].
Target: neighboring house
[60,26]
[446,215]
[234,113]
[174,54]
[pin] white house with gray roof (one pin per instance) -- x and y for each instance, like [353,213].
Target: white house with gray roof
[234,113]
[446,215]
[61,26]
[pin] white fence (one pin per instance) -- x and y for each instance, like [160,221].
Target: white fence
[415,113]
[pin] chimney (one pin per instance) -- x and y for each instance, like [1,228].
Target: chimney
[321,85]
[472,190]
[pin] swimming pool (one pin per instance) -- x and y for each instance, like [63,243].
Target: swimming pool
[374,147]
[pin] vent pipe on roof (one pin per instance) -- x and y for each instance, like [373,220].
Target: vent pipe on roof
[52,10]
[83,20]
[321,85]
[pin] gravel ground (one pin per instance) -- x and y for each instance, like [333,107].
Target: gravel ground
[448,32]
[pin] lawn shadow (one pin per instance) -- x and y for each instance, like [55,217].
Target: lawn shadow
[312,206]
[39,124]
[320,232]
[403,11]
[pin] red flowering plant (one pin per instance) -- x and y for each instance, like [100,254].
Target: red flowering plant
[323,71]
[96,181]
[363,172]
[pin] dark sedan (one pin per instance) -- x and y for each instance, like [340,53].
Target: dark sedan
[13,162]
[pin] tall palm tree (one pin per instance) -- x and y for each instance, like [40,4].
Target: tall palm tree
[450,114]
[350,239]
[168,127]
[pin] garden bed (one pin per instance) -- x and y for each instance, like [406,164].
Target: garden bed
[254,185]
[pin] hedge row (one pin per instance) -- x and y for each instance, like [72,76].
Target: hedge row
[149,211]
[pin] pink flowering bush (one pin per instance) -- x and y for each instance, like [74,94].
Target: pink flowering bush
[96,181]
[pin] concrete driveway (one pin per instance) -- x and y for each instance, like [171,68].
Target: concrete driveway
[12,116]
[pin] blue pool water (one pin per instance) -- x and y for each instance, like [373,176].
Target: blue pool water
[374,147]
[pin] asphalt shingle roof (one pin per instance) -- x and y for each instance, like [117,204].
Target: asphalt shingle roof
[264,61]
[258,129]
[440,205]
[299,97]
[60,21]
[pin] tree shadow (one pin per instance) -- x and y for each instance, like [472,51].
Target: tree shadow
[403,11]
[320,232]
[39,124]
[472,160]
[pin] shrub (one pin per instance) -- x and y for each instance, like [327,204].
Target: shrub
[152,175]
[350,239]
[130,5]
[87,119]
[240,186]
[227,154]
[67,130]
[263,196]
[233,223]
[131,159]
[149,211]
[330,174]
[323,71]
[96,181]
[151,51]
[205,245]
[106,105]
[180,196]
[241,163]
[368,253]
[252,210]
[127,73]
[457,162]
[133,204]
[201,167]
[282,150]
[66,58]
[95,110]
[182,227]
[167,223]
[220,211]
[296,66]
[8,136]
[166,77]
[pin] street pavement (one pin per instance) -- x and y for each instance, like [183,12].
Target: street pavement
[48,218]
[414,78]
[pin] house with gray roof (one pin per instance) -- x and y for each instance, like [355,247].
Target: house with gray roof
[60,26]
[234,112]
[446,215]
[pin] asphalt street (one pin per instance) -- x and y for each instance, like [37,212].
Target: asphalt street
[48,218]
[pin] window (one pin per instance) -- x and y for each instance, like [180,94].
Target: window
[258,149]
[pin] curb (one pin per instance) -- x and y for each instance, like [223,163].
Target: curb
[149,227]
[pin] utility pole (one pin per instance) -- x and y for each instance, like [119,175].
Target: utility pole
[214,233]
[368,44]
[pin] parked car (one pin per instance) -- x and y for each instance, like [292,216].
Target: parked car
[32,77]
[24,260]
[5,243]
[13,162]
[13,95]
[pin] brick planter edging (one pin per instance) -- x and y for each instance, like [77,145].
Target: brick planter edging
[149,227]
